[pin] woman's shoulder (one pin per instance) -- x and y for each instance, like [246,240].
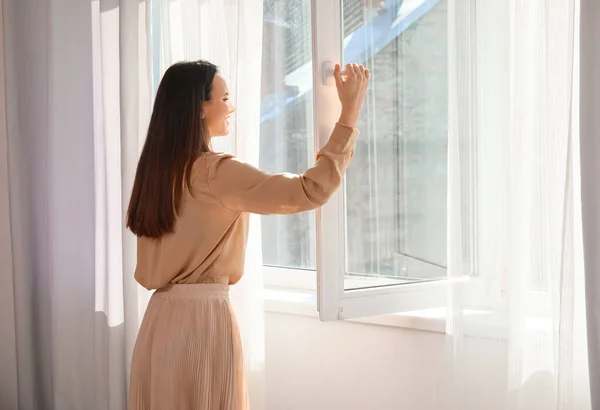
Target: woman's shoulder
[213,160]
[208,160]
[205,163]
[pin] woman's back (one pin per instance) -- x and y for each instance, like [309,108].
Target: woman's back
[208,242]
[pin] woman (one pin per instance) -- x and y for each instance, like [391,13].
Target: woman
[189,209]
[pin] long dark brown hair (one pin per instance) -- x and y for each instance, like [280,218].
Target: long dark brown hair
[176,136]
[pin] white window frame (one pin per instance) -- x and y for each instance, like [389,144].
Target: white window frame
[291,278]
[334,302]
[402,301]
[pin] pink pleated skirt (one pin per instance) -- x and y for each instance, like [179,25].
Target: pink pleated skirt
[188,353]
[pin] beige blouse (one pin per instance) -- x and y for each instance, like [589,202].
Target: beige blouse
[209,240]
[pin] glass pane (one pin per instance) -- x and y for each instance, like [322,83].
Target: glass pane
[396,185]
[286,132]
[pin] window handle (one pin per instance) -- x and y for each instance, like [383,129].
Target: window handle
[328,68]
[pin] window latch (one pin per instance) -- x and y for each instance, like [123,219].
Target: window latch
[327,69]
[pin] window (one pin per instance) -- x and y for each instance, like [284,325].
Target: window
[286,132]
[387,227]
[395,191]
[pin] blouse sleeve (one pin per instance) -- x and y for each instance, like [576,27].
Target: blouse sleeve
[241,187]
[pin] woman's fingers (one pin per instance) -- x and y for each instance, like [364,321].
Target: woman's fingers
[362,71]
[357,71]
[352,91]
[350,72]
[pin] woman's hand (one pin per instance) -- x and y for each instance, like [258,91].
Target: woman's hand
[351,91]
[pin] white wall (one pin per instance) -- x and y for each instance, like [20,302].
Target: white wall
[341,365]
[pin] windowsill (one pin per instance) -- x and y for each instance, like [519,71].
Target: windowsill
[291,301]
[476,322]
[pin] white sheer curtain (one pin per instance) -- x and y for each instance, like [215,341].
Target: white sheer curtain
[228,33]
[122,88]
[78,97]
[514,201]
[590,186]
[8,356]
[77,102]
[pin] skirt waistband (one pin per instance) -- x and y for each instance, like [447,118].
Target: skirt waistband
[194,291]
